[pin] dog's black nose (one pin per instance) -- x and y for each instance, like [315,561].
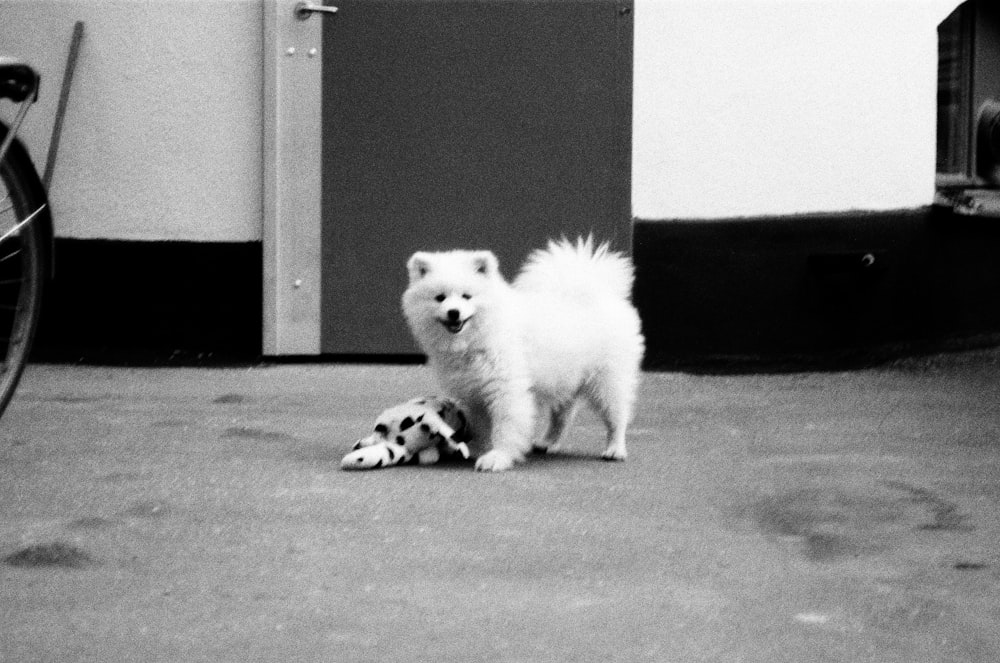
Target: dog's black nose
[453,314]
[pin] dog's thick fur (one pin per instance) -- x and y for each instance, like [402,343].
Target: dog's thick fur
[565,330]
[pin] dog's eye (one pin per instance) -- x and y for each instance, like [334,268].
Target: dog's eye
[381,429]
[440,298]
[466,295]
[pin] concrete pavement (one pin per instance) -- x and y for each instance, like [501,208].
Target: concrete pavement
[200,515]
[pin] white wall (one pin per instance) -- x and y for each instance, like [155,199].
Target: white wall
[765,107]
[162,136]
[742,108]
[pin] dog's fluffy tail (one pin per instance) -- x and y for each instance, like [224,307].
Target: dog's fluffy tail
[577,269]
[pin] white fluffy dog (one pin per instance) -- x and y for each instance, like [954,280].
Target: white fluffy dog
[565,330]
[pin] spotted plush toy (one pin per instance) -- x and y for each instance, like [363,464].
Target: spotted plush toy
[424,428]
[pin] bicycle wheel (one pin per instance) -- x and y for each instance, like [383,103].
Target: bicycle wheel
[24,262]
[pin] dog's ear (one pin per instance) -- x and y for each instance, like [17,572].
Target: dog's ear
[419,265]
[485,263]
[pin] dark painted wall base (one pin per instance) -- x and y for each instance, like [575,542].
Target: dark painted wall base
[788,293]
[152,303]
[817,291]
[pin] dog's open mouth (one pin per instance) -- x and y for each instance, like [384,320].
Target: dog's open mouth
[454,326]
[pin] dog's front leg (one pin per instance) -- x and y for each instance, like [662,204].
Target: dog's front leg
[512,418]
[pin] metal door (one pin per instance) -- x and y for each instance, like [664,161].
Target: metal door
[462,124]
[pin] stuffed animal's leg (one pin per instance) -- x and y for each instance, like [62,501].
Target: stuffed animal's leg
[374,456]
[438,429]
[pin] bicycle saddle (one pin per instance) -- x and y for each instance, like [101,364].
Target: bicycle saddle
[18,81]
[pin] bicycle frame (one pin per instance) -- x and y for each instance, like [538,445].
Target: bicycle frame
[22,111]
[21,87]
[41,215]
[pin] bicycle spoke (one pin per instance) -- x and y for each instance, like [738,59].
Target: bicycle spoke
[12,254]
[18,226]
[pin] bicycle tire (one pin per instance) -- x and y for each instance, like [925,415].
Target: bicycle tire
[25,260]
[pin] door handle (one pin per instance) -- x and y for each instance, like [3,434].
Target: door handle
[304,10]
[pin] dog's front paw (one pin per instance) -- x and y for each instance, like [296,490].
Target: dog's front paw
[494,461]
[614,454]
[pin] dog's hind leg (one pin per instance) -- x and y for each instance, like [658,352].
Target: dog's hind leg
[612,399]
[560,419]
